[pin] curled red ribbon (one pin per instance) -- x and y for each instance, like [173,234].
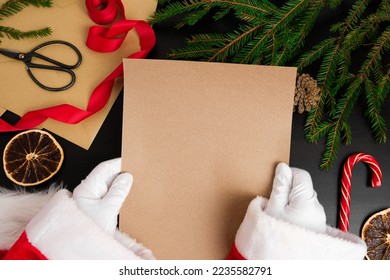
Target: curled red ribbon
[104,11]
[101,39]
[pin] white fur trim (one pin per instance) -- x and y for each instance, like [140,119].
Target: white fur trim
[261,236]
[17,207]
[132,245]
[62,231]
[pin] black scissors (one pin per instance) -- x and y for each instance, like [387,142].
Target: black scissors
[56,65]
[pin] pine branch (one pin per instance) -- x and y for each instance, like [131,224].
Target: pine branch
[320,131]
[335,68]
[374,57]
[168,10]
[266,29]
[215,47]
[304,24]
[377,87]
[13,33]
[331,146]
[373,112]
[12,7]
[333,4]
[273,34]
[329,50]
[342,113]
[199,46]
[344,106]
[347,133]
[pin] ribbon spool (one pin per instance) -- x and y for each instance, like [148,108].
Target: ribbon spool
[345,201]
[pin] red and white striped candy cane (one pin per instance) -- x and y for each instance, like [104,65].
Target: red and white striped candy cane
[376,181]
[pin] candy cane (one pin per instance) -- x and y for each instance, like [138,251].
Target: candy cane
[376,181]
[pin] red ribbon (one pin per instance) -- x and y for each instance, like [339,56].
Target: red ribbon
[101,39]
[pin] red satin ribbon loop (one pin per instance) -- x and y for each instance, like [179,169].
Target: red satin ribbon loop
[148,37]
[102,92]
[102,11]
[103,39]
[121,27]
[100,39]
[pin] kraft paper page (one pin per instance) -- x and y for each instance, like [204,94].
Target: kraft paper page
[201,140]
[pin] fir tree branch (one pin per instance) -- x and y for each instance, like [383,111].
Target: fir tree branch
[347,133]
[315,53]
[373,112]
[12,7]
[13,33]
[203,46]
[213,47]
[376,85]
[188,6]
[355,14]
[326,73]
[248,33]
[280,20]
[331,146]
[374,56]
[320,131]
[305,25]
[343,111]
[333,4]
[335,67]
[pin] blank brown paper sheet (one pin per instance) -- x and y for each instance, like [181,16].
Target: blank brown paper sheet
[201,140]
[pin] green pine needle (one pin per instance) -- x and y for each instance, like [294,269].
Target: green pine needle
[12,7]
[12,33]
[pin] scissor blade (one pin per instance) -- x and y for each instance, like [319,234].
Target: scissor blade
[10,53]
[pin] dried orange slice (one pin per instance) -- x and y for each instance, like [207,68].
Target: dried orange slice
[32,157]
[376,234]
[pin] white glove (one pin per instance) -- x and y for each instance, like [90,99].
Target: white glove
[294,200]
[102,193]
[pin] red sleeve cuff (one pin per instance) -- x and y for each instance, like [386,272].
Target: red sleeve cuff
[62,231]
[23,250]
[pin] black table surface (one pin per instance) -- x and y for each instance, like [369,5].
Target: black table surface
[365,200]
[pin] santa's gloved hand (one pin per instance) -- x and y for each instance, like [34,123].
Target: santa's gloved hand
[294,200]
[291,224]
[101,194]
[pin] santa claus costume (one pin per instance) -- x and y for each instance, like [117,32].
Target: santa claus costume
[58,224]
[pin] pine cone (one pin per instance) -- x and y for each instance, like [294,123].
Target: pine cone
[306,93]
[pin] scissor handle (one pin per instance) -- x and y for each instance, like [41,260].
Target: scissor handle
[51,68]
[55,62]
[56,65]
